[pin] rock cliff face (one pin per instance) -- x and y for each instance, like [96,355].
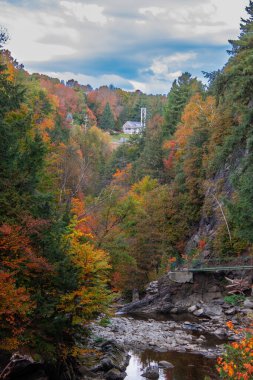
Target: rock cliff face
[218,188]
[200,293]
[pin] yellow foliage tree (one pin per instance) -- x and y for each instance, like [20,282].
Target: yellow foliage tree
[91,296]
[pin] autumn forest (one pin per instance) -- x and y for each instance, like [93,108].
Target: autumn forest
[85,217]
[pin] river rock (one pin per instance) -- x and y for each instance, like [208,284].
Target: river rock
[107,363]
[212,310]
[86,373]
[230,311]
[198,312]
[192,309]
[152,288]
[115,374]
[210,296]
[165,364]
[23,367]
[136,334]
[220,333]
[246,311]
[248,303]
[192,326]
[114,359]
[151,373]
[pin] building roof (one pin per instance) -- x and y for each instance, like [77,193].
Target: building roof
[132,124]
[69,116]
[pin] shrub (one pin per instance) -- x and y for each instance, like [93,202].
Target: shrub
[105,321]
[237,361]
[234,299]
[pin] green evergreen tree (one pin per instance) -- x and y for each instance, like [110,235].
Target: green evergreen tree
[181,91]
[134,111]
[21,152]
[107,120]
[234,84]
[150,161]
[245,40]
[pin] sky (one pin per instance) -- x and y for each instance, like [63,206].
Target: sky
[132,44]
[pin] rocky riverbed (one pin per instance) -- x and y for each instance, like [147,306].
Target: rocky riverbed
[190,334]
[195,311]
[163,336]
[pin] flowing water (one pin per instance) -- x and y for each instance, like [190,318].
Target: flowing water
[186,366]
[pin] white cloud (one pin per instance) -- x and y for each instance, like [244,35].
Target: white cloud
[155,11]
[163,65]
[166,69]
[27,30]
[82,12]
[140,22]
[149,44]
[163,70]
[94,81]
[153,86]
[212,21]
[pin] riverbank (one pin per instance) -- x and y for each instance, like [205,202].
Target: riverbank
[184,315]
[205,338]
[189,347]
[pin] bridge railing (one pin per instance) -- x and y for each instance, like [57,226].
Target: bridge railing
[242,262]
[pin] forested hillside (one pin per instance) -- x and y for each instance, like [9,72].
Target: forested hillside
[81,221]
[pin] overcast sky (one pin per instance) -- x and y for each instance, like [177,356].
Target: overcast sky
[133,44]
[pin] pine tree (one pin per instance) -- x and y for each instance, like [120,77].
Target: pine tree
[181,91]
[234,84]
[107,120]
[245,40]
[21,150]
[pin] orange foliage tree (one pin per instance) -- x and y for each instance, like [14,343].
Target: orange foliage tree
[197,112]
[237,361]
[20,266]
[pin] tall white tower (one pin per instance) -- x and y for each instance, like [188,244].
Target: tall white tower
[143,117]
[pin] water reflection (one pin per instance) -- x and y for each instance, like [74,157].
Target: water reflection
[187,366]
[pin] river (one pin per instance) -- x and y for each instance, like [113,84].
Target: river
[187,366]
[191,347]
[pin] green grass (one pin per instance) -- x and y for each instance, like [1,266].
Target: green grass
[116,138]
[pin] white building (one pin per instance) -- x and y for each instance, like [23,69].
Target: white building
[132,127]
[69,118]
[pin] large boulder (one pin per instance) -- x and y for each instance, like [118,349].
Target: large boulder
[152,288]
[248,303]
[151,372]
[115,374]
[212,310]
[23,367]
[113,362]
